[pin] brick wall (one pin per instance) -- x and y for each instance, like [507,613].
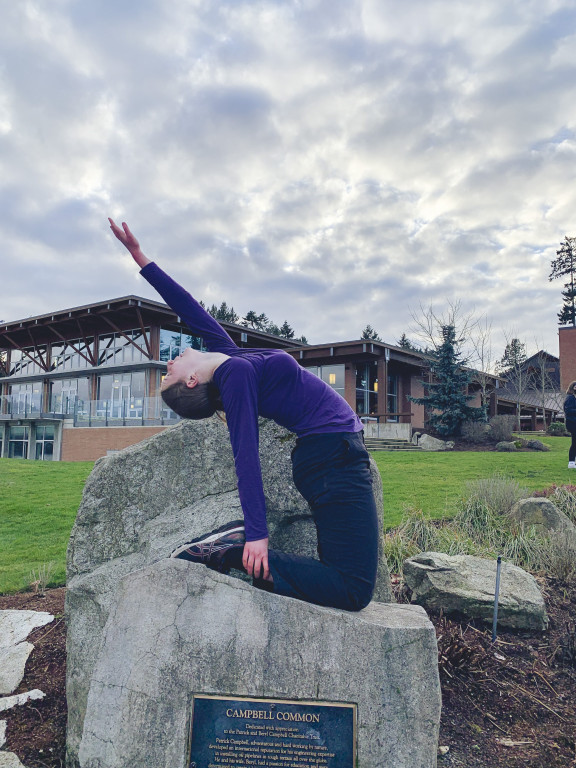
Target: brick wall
[89,444]
[567,345]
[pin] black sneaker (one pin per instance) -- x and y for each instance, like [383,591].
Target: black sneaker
[211,548]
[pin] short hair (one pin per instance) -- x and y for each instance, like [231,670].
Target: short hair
[197,402]
[570,390]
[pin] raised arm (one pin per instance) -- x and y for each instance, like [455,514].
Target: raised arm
[129,242]
[192,314]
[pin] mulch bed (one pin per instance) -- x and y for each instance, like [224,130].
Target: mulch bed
[511,704]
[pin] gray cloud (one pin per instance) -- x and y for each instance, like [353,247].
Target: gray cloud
[331,163]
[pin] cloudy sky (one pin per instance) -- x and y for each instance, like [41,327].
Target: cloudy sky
[329,162]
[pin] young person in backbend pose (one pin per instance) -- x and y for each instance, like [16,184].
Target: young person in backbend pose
[330,464]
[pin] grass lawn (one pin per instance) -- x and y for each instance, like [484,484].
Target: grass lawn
[434,482]
[38,500]
[38,504]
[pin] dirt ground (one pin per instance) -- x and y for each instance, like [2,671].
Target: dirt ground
[505,705]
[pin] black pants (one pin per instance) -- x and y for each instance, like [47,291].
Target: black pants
[332,472]
[571,427]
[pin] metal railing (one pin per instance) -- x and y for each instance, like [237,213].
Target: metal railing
[129,411]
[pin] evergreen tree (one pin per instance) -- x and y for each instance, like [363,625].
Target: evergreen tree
[513,358]
[370,334]
[258,322]
[446,396]
[565,265]
[405,343]
[286,331]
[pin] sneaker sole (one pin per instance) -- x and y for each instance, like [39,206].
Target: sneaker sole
[234,527]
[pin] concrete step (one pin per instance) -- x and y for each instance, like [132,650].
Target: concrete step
[389,444]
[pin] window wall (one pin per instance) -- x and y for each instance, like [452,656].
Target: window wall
[44,442]
[65,392]
[367,388]
[66,358]
[25,398]
[331,374]
[121,395]
[392,404]
[18,440]
[117,348]
[22,364]
[172,343]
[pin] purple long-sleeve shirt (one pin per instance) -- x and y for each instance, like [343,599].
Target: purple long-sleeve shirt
[252,383]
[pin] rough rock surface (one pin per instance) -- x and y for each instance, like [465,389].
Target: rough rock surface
[462,585]
[140,503]
[7,702]
[9,760]
[2,732]
[543,515]
[179,628]
[12,665]
[537,445]
[505,447]
[429,443]
[15,626]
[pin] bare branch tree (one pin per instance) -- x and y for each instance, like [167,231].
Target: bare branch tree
[512,366]
[483,359]
[428,324]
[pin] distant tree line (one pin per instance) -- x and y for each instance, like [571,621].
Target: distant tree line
[258,322]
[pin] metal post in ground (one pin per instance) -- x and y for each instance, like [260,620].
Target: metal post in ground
[496,595]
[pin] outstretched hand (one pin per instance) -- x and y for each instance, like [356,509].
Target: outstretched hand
[129,242]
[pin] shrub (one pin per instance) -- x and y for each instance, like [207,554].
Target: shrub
[557,429]
[502,427]
[474,431]
[560,556]
[498,494]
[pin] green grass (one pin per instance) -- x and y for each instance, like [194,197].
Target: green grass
[39,500]
[434,482]
[38,504]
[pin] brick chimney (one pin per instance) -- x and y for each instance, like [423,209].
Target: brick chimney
[567,345]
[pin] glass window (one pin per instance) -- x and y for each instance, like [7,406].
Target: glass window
[331,374]
[25,398]
[18,438]
[172,342]
[22,364]
[392,405]
[65,357]
[121,395]
[66,392]
[45,442]
[118,348]
[367,388]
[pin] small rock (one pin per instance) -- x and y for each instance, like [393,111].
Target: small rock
[506,447]
[429,443]
[10,760]
[2,732]
[443,751]
[20,698]
[12,664]
[15,626]
[537,445]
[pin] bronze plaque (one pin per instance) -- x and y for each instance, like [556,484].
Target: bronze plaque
[271,733]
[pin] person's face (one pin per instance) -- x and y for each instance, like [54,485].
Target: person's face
[183,367]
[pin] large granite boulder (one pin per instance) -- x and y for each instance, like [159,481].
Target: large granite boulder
[178,629]
[140,503]
[543,515]
[464,586]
